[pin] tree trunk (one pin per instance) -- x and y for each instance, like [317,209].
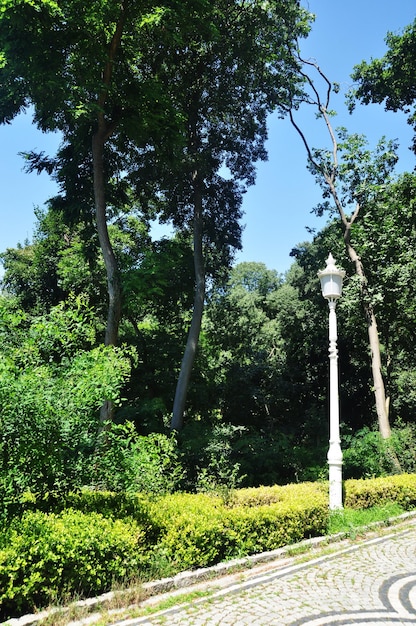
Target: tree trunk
[113,279]
[373,337]
[195,328]
[103,132]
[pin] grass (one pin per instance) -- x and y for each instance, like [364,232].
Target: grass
[351,520]
[103,615]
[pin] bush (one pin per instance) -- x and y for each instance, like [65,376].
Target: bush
[257,496]
[367,455]
[119,536]
[44,557]
[273,526]
[129,462]
[200,530]
[363,494]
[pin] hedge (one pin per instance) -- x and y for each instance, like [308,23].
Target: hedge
[200,530]
[45,557]
[103,538]
[365,493]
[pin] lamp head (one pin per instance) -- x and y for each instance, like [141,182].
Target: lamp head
[331,279]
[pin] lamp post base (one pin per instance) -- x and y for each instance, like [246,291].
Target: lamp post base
[335,476]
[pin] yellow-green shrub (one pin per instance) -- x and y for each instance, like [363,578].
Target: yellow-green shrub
[46,556]
[255,496]
[363,494]
[199,530]
[258,496]
[268,527]
[193,532]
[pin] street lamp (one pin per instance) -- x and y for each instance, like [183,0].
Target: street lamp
[331,284]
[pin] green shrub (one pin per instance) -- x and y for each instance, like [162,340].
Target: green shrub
[45,557]
[52,383]
[273,526]
[258,496]
[193,533]
[363,454]
[129,462]
[367,454]
[201,530]
[363,494]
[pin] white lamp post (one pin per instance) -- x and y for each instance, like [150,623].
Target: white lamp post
[331,284]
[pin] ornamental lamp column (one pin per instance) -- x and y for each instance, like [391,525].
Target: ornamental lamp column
[331,283]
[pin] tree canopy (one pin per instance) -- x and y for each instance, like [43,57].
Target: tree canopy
[390,79]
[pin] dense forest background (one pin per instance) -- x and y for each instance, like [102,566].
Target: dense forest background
[133,364]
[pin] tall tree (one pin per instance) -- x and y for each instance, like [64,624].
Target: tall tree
[390,79]
[78,68]
[98,72]
[390,267]
[231,66]
[349,175]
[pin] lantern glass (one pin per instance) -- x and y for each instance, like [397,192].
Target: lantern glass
[331,279]
[331,285]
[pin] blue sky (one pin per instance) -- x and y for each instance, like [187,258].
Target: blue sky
[278,208]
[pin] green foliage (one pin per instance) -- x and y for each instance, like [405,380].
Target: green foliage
[270,527]
[194,531]
[362,494]
[106,537]
[202,530]
[47,557]
[217,468]
[367,454]
[260,496]
[251,323]
[52,384]
[390,79]
[126,461]
[363,454]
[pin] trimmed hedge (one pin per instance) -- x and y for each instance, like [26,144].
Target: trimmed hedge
[103,538]
[45,557]
[200,530]
[365,493]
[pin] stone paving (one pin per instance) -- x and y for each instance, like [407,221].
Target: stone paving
[372,582]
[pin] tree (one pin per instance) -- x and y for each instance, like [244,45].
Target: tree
[53,380]
[112,81]
[230,68]
[79,67]
[390,79]
[388,220]
[351,181]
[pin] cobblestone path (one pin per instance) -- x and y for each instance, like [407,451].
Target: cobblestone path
[372,583]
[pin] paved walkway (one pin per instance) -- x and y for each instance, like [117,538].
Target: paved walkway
[372,582]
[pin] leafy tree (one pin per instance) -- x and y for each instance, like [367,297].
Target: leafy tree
[229,69]
[390,79]
[350,176]
[248,346]
[388,220]
[266,345]
[79,66]
[63,258]
[120,92]
[52,383]
[158,295]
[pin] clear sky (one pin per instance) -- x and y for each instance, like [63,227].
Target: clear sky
[278,208]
